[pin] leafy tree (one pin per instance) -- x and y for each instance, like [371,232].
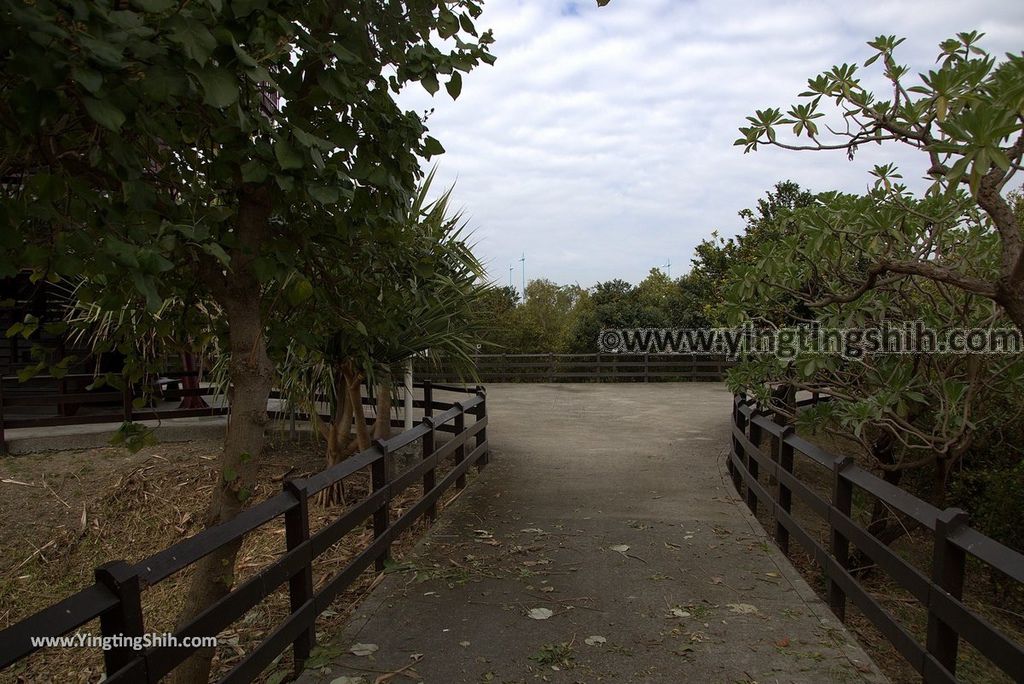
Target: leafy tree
[704,285]
[546,315]
[494,316]
[212,151]
[966,117]
[370,314]
[906,413]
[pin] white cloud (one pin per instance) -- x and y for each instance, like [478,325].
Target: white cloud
[600,143]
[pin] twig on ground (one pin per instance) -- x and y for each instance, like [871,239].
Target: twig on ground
[34,554]
[56,495]
[406,671]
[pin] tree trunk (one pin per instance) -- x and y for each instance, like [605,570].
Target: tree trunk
[382,424]
[881,526]
[251,375]
[338,436]
[353,380]
[941,475]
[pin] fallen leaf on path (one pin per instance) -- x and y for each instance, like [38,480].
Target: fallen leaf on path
[742,608]
[540,613]
[463,644]
[620,548]
[363,649]
[716,580]
[679,613]
[783,642]
[594,640]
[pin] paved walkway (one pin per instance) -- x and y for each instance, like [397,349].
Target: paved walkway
[608,506]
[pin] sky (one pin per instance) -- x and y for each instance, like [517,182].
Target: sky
[600,143]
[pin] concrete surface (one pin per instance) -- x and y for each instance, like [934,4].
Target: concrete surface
[579,472]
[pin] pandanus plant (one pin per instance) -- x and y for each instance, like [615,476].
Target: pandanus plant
[379,317]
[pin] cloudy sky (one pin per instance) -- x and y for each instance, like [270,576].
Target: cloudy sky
[600,143]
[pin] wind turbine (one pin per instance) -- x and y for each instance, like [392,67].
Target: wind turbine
[522,260]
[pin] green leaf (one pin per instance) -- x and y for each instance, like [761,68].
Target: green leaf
[220,88]
[87,78]
[454,85]
[431,147]
[195,38]
[324,194]
[217,252]
[230,475]
[253,171]
[430,83]
[287,156]
[300,291]
[104,113]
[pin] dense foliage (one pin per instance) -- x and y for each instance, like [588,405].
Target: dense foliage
[952,259]
[218,153]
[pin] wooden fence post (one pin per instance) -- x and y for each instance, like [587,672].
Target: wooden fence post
[62,384]
[732,440]
[741,424]
[124,619]
[460,451]
[3,437]
[647,367]
[126,399]
[598,370]
[380,477]
[784,496]
[481,436]
[842,500]
[551,367]
[752,465]
[428,399]
[300,585]
[948,562]
[430,476]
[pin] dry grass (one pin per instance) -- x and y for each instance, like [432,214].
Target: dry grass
[1000,605]
[68,512]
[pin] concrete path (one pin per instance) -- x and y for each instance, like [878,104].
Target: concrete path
[608,506]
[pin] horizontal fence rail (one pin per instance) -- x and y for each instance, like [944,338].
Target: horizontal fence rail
[492,368]
[47,401]
[115,598]
[771,481]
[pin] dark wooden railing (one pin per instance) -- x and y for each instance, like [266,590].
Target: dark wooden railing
[771,481]
[47,401]
[492,368]
[115,598]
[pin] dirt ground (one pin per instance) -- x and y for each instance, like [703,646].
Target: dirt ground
[67,512]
